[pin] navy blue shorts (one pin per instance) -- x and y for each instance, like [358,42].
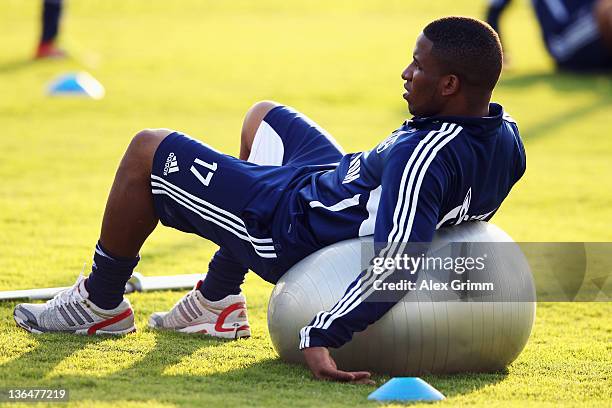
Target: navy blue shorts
[197,189]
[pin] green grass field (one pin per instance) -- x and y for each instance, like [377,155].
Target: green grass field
[197,66]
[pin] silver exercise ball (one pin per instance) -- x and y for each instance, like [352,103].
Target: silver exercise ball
[420,334]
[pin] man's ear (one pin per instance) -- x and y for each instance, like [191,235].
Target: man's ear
[450,85]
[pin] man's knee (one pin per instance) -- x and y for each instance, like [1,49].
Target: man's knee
[260,109]
[145,142]
[142,148]
[253,119]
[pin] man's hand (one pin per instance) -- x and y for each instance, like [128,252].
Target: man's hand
[323,367]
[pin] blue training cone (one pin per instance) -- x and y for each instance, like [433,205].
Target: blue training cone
[76,84]
[406,389]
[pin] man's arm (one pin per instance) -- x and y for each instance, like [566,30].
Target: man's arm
[408,212]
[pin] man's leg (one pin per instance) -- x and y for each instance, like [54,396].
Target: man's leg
[216,306]
[96,305]
[129,218]
[273,134]
[225,274]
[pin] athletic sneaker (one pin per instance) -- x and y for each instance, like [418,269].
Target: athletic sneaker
[49,50]
[71,311]
[194,313]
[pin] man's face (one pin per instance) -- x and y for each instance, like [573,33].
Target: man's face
[422,77]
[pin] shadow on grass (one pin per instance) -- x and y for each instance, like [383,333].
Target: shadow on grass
[29,62]
[255,382]
[16,65]
[462,384]
[560,81]
[41,360]
[599,85]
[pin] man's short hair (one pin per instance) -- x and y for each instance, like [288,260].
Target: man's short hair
[468,48]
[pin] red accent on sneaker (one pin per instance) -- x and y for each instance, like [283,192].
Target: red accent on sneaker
[200,282]
[242,314]
[49,50]
[93,329]
[231,308]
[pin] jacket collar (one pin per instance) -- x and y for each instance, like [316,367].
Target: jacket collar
[476,125]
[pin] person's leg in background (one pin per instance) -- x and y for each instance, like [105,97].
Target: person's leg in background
[51,16]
